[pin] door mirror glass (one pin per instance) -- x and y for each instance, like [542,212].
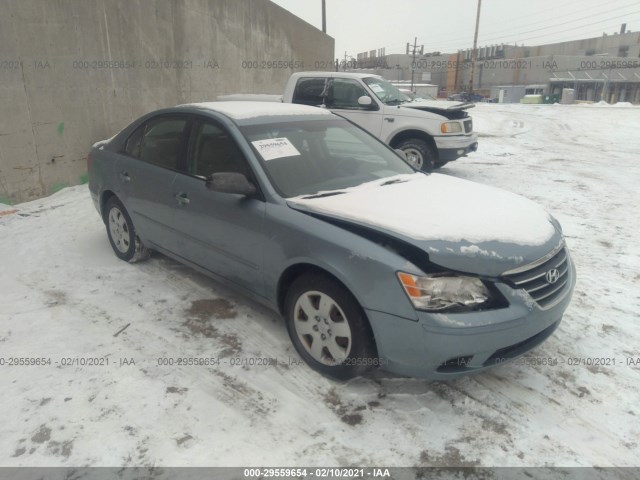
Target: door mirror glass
[231,182]
[364,100]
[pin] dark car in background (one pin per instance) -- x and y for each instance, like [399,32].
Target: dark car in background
[467,97]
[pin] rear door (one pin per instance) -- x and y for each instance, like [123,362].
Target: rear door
[146,170]
[221,232]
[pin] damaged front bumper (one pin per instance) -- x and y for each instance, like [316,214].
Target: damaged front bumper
[440,346]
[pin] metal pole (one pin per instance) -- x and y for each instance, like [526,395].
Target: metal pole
[415,46]
[474,55]
[456,79]
[324,16]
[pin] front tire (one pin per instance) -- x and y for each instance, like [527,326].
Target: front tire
[122,234]
[328,327]
[419,154]
[440,164]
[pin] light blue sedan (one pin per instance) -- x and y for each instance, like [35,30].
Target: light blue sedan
[370,262]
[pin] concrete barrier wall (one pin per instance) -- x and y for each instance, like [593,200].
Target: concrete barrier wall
[73,72]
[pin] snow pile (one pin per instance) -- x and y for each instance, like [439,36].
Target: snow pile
[64,295]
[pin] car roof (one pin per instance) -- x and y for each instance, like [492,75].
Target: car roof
[334,74]
[243,112]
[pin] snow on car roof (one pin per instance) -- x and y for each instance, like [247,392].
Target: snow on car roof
[335,74]
[238,110]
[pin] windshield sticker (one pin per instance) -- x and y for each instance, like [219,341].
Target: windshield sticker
[275,148]
[376,88]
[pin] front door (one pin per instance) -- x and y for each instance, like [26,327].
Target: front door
[220,232]
[342,98]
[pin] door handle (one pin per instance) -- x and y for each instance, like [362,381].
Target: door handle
[124,176]
[390,119]
[182,198]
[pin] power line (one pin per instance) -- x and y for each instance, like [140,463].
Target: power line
[492,33]
[519,39]
[566,23]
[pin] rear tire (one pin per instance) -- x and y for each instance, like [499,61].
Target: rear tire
[122,234]
[419,153]
[328,327]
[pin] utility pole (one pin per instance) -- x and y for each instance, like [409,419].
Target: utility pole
[456,79]
[324,16]
[413,54]
[474,55]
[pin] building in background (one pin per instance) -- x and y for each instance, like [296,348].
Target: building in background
[601,68]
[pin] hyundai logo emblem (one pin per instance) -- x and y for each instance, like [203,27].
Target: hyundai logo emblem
[552,275]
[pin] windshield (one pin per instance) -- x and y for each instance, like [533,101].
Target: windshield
[311,156]
[385,92]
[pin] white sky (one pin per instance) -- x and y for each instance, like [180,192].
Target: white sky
[447,25]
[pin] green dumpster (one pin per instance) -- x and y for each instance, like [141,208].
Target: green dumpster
[555,98]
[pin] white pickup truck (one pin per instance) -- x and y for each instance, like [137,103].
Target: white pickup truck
[430,132]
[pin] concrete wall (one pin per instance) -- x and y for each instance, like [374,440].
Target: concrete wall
[73,72]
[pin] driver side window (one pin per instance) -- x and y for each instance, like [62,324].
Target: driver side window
[344,93]
[214,151]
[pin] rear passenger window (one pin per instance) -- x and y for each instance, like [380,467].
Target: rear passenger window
[162,141]
[132,147]
[310,91]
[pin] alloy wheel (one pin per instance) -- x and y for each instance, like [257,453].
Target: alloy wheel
[322,328]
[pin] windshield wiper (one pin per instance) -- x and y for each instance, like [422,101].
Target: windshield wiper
[391,182]
[320,195]
[395,102]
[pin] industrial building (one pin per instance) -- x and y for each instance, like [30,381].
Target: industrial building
[602,68]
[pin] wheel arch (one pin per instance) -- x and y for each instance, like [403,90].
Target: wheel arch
[294,271]
[104,198]
[412,133]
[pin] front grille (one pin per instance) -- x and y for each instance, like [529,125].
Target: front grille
[533,278]
[468,125]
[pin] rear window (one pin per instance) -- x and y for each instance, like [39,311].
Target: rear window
[158,141]
[310,91]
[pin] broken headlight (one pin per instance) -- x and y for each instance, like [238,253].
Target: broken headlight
[438,292]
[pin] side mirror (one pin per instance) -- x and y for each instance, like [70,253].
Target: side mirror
[365,101]
[401,153]
[231,182]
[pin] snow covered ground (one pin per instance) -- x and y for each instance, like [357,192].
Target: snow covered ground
[64,295]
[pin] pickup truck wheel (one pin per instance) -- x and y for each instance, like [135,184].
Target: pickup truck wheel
[419,154]
[328,327]
[122,235]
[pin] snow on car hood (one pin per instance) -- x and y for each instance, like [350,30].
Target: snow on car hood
[449,218]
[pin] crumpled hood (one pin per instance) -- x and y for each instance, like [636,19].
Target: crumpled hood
[430,105]
[461,225]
